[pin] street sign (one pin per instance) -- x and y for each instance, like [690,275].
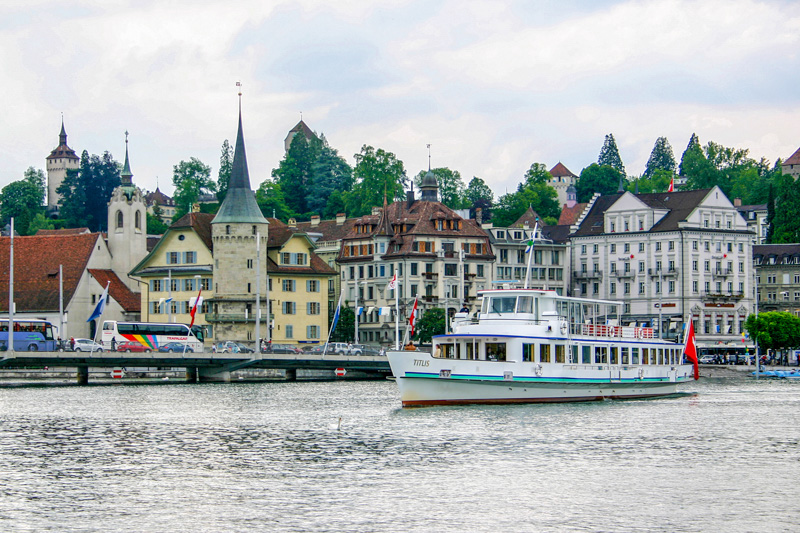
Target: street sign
[117,373]
[340,372]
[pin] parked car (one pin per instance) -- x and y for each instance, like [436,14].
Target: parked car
[707,360]
[132,346]
[175,347]
[283,348]
[344,348]
[243,348]
[87,345]
[317,349]
[228,347]
[368,349]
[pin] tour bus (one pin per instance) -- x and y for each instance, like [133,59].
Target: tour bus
[151,335]
[30,335]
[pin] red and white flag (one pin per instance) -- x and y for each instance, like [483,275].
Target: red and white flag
[671,184]
[393,283]
[413,318]
[690,349]
[197,301]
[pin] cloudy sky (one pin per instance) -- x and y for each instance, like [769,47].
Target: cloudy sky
[492,86]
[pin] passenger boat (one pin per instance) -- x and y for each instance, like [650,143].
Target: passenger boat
[530,345]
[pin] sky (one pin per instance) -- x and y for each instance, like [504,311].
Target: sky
[492,86]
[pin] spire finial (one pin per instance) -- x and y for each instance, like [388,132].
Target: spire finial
[126,176]
[429,157]
[239,87]
[301,116]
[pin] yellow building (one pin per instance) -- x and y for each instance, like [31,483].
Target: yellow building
[177,268]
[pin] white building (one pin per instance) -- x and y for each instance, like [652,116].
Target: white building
[668,257]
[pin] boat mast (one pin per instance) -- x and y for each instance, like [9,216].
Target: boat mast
[530,255]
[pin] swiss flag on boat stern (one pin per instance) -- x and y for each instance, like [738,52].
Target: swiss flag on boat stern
[690,349]
[413,318]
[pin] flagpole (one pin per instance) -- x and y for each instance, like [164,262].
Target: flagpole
[258,293]
[355,271]
[530,256]
[396,312]
[102,304]
[333,322]
[10,347]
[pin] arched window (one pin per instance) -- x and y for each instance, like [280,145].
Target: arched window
[138,220]
[227,230]
[119,219]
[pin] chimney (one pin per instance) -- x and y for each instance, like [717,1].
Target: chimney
[410,197]
[737,202]
[340,218]
[479,215]
[314,221]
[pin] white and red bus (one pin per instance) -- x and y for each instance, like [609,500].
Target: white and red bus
[152,335]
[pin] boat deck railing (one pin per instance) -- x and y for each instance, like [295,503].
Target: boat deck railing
[620,332]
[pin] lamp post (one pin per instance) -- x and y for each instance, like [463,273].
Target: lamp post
[258,294]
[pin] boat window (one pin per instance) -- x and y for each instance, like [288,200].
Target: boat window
[496,351]
[503,304]
[445,351]
[661,356]
[635,356]
[560,351]
[527,352]
[614,352]
[600,354]
[470,349]
[586,354]
[544,353]
[652,356]
[674,359]
[645,352]
[525,304]
[625,355]
[573,353]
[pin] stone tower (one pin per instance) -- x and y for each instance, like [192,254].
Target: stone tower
[127,225]
[59,161]
[233,234]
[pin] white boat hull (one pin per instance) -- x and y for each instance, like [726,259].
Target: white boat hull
[424,380]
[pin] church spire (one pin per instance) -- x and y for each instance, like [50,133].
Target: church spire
[126,177]
[62,137]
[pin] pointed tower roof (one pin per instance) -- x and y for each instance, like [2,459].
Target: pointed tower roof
[240,202]
[621,187]
[126,177]
[560,171]
[62,151]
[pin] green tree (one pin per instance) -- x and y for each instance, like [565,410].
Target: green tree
[694,142]
[451,186]
[85,192]
[770,216]
[541,197]
[661,158]
[595,178]
[785,227]
[346,327]
[774,330]
[658,182]
[609,155]
[155,226]
[40,222]
[269,197]
[479,195]
[37,178]
[377,172]
[330,174]
[21,200]
[295,171]
[334,205]
[225,168]
[191,179]
[431,323]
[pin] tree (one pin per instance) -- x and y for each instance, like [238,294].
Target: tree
[661,158]
[541,197]
[770,216]
[595,178]
[609,155]
[330,174]
[21,200]
[377,172]
[37,178]
[431,323]
[774,330]
[451,186]
[694,142]
[85,192]
[479,195]
[295,171]
[658,182]
[785,227]
[225,168]
[40,222]
[346,326]
[191,179]
[155,226]
[269,198]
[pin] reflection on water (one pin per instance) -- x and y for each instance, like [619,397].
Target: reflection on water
[252,457]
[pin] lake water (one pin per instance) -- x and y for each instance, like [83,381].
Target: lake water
[271,456]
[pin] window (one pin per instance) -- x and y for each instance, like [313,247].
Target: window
[627,287]
[312,285]
[612,288]
[119,219]
[188,284]
[694,286]
[414,269]
[155,285]
[249,263]
[450,269]
[289,331]
[173,258]
[190,257]
[292,258]
[480,271]
[658,247]
[504,255]
[671,287]
[313,308]
[641,266]
[641,287]
[694,266]
[627,247]
[289,308]
[671,245]
[312,332]
[694,245]
[288,285]
[544,353]
[205,284]
[138,220]
[594,248]
[583,248]
[707,266]
[613,248]
[641,247]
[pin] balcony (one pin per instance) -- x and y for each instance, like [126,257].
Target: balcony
[430,299]
[621,274]
[430,275]
[469,275]
[598,274]
[721,272]
[661,273]
[722,296]
[212,318]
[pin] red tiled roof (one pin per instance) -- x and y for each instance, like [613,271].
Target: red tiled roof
[794,159]
[560,171]
[36,262]
[200,223]
[570,215]
[129,300]
[530,216]
[159,198]
[330,229]
[63,231]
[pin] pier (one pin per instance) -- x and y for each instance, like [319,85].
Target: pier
[201,367]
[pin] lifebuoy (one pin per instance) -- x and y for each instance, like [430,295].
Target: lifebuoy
[563,328]
[537,370]
[641,373]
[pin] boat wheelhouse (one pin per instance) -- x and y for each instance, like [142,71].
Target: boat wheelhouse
[529,345]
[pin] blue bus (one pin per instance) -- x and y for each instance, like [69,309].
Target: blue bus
[30,335]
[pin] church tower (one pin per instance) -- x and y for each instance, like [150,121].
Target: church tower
[234,231]
[127,225]
[59,161]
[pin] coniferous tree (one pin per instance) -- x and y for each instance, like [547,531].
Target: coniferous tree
[694,143]
[295,171]
[330,174]
[479,195]
[609,155]
[770,215]
[596,178]
[85,191]
[225,168]
[661,158]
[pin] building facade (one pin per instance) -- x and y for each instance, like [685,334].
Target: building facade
[778,277]
[562,179]
[668,257]
[61,160]
[791,167]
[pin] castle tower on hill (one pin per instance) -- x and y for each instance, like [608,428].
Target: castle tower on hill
[60,160]
[127,224]
[562,179]
[233,234]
